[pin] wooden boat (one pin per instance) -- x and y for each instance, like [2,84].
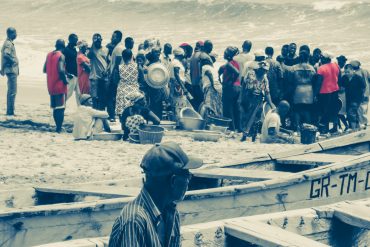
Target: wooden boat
[341,224]
[317,175]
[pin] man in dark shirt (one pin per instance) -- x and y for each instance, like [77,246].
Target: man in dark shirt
[70,54]
[152,220]
[355,86]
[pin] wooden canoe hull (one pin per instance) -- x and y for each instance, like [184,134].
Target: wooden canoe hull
[341,181]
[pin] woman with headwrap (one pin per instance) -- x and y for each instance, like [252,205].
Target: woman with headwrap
[231,87]
[211,88]
[135,114]
[179,95]
[254,89]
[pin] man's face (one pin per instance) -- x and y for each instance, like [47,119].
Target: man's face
[13,35]
[114,39]
[292,49]
[97,39]
[156,53]
[179,185]
[73,41]
[349,71]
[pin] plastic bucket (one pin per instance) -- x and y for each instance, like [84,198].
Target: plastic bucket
[308,134]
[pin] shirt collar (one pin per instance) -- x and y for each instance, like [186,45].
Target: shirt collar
[11,41]
[150,206]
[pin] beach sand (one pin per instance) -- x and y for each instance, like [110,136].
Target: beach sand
[30,158]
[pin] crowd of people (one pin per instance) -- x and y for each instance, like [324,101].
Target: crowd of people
[319,90]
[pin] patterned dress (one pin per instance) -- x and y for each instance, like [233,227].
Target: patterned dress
[251,99]
[127,86]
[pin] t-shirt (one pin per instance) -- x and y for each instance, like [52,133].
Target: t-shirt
[70,54]
[205,80]
[301,77]
[272,120]
[242,59]
[177,64]
[9,67]
[330,74]
[229,77]
[83,76]
[354,88]
[98,62]
[117,52]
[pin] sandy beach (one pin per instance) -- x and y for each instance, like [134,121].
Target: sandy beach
[34,156]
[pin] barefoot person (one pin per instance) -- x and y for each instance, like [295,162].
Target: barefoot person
[152,220]
[57,82]
[9,67]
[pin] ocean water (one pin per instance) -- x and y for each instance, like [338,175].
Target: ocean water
[341,27]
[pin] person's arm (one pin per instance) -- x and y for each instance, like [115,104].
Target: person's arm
[210,76]
[181,83]
[115,72]
[152,117]
[61,69]
[86,67]
[44,69]
[267,93]
[91,54]
[106,125]
[7,54]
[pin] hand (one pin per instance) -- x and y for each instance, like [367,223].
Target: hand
[69,76]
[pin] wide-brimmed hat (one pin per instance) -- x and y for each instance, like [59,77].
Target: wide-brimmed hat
[178,52]
[84,98]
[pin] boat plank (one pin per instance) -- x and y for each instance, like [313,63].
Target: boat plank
[266,235]
[92,191]
[314,159]
[349,139]
[232,173]
[354,215]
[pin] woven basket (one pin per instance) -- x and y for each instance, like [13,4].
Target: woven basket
[150,134]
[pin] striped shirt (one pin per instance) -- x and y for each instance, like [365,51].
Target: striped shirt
[141,224]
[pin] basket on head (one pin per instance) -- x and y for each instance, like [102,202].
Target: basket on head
[149,134]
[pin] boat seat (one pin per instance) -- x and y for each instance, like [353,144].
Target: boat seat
[354,215]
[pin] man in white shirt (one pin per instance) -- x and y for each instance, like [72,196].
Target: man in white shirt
[271,125]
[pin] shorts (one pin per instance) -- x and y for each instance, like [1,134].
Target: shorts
[58,101]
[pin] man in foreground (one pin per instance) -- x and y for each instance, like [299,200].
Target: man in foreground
[57,82]
[152,220]
[9,67]
[271,125]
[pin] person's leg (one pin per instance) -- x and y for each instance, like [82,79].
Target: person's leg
[58,118]
[324,108]
[362,113]
[343,119]
[94,93]
[12,92]
[227,105]
[77,90]
[111,104]
[236,108]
